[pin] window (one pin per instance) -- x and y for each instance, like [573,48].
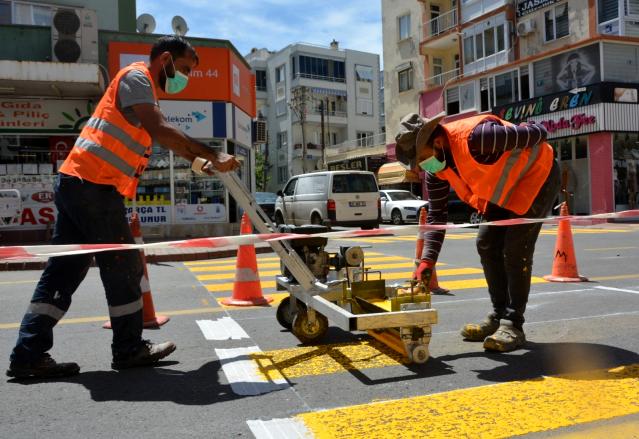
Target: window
[506,88]
[489,41]
[479,46]
[524,78]
[280,108]
[260,80]
[484,42]
[364,138]
[315,184]
[289,190]
[469,50]
[452,100]
[32,14]
[501,42]
[320,68]
[608,10]
[467,92]
[5,13]
[404,26]
[282,139]
[279,74]
[486,87]
[363,73]
[353,183]
[438,69]
[556,22]
[405,79]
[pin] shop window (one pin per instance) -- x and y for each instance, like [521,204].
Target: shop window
[404,26]
[452,100]
[405,78]
[556,22]
[524,78]
[506,88]
[626,170]
[581,147]
[467,92]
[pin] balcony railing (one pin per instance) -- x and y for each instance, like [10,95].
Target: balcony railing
[338,112]
[357,144]
[441,24]
[319,77]
[442,78]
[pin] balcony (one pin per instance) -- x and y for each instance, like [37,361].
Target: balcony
[366,146]
[439,33]
[442,78]
[320,77]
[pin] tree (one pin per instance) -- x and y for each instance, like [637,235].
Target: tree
[262,171]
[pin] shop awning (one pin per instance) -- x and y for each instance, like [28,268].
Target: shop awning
[395,173]
[328,91]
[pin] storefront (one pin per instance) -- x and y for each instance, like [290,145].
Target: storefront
[594,131]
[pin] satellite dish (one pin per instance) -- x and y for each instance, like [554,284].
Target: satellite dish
[145,24]
[179,26]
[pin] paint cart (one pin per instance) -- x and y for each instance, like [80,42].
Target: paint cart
[357,299]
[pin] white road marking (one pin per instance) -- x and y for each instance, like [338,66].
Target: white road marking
[481,299]
[288,428]
[224,328]
[243,374]
[621,290]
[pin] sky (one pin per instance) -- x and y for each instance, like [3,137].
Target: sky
[274,24]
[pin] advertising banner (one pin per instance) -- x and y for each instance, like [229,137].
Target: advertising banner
[195,118]
[200,213]
[43,116]
[566,71]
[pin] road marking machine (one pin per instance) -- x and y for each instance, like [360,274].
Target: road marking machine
[340,288]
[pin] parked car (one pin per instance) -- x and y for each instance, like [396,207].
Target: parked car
[460,212]
[399,206]
[331,198]
[266,200]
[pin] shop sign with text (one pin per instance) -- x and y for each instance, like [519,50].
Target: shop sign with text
[151,214]
[40,116]
[194,118]
[200,213]
[358,164]
[525,7]
[578,122]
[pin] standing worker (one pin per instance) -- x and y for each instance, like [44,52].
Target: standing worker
[103,167]
[504,171]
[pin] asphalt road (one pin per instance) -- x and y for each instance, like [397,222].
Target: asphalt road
[349,386]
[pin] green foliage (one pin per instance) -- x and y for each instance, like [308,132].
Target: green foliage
[262,169]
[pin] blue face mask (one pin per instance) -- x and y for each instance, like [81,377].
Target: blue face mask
[432,165]
[177,83]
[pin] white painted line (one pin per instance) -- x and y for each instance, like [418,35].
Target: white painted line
[224,328]
[243,373]
[288,428]
[480,299]
[621,290]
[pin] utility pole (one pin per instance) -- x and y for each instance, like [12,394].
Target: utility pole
[298,106]
[323,142]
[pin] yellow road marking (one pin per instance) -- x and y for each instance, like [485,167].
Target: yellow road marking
[618,277]
[586,231]
[277,298]
[227,261]
[74,321]
[618,430]
[16,282]
[228,286]
[607,248]
[326,359]
[231,275]
[501,410]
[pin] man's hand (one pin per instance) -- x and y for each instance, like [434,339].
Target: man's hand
[222,163]
[424,272]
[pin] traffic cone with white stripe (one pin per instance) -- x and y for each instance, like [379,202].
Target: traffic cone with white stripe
[247,289]
[419,247]
[151,320]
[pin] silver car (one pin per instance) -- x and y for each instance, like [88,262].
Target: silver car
[400,206]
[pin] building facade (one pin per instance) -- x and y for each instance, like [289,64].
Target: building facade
[48,91]
[572,66]
[313,98]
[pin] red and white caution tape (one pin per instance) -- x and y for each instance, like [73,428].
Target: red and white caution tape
[37,251]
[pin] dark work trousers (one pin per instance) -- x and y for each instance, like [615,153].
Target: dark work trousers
[506,252]
[88,213]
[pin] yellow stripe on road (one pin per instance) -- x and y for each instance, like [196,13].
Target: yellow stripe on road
[228,286]
[326,359]
[17,282]
[497,411]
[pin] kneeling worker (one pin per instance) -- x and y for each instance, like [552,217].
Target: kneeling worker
[103,167]
[504,171]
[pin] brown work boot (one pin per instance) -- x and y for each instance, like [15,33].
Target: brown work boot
[45,367]
[479,331]
[147,354]
[506,339]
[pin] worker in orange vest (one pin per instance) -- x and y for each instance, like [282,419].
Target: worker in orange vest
[103,167]
[503,171]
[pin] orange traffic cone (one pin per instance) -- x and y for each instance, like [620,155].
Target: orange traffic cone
[433,286]
[151,320]
[564,267]
[247,289]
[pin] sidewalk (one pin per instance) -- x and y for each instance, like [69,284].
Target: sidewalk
[153,256]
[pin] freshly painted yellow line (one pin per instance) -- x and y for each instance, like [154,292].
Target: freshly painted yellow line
[326,359]
[16,282]
[231,275]
[497,411]
[228,286]
[576,230]
[619,430]
[75,321]
[228,261]
[455,285]
[618,277]
[444,272]
[277,298]
[607,248]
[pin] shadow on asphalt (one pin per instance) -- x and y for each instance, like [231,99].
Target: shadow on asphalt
[545,359]
[196,387]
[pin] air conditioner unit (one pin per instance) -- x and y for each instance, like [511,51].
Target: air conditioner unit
[525,27]
[74,35]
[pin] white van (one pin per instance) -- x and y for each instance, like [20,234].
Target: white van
[332,198]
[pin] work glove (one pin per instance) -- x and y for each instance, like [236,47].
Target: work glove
[424,271]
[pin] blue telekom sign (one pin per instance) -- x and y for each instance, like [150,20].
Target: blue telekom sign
[526,7]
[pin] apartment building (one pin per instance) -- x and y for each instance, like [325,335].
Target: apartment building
[570,65]
[310,92]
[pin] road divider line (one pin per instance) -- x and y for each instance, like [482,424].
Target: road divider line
[279,428]
[224,328]
[243,375]
[599,287]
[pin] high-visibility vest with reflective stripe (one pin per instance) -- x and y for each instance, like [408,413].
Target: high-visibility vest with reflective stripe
[109,149]
[512,182]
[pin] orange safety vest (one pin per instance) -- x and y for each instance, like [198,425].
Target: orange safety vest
[109,149]
[512,182]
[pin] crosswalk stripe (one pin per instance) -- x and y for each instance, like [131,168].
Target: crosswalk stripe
[228,286]
[226,261]
[499,410]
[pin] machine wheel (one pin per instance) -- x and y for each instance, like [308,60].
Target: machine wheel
[279,219]
[420,354]
[396,217]
[309,333]
[284,315]
[476,218]
[316,219]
